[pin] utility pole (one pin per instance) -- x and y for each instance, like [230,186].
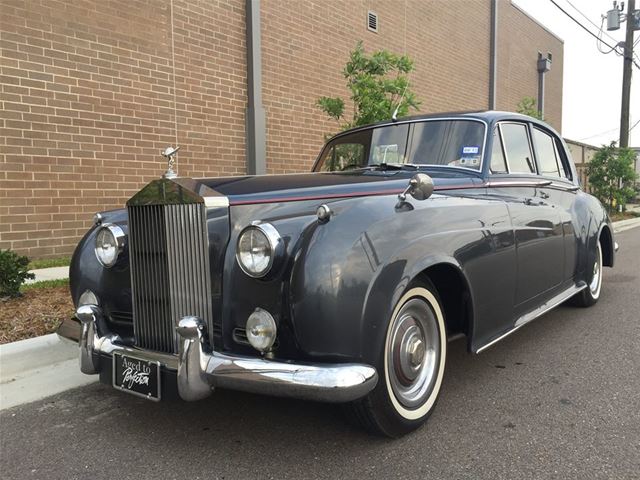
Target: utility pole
[626,75]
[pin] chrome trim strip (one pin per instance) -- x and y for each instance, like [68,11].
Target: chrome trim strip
[200,369]
[518,183]
[538,312]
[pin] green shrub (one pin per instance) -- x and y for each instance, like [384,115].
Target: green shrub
[14,271]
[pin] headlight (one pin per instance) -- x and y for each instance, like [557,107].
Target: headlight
[261,330]
[110,241]
[258,248]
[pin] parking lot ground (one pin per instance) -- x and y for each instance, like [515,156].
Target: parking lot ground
[558,399]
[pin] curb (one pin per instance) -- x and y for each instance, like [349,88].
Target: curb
[37,368]
[622,225]
[32,353]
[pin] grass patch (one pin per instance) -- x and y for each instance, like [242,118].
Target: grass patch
[617,216]
[61,282]
[49,262]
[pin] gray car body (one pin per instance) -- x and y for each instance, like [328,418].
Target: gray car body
[500,250]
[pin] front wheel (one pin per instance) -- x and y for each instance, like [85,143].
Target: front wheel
[590,295]
[413,363]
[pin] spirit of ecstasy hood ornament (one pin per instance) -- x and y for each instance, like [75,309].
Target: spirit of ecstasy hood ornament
[170,154]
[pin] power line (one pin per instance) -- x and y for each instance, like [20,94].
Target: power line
[590,32]
[590,21]
[580,24]
[607,131]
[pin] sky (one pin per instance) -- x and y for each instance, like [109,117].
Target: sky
[592,89]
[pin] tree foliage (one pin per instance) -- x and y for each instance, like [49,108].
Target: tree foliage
[612,176]
[527,106]
[378,84]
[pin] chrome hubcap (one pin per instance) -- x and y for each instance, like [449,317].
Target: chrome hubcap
[594,285]
[414,353]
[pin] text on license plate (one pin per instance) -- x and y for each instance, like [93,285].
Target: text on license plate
[136,376]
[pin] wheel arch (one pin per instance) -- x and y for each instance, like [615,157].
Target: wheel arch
[455,295]
[606,241]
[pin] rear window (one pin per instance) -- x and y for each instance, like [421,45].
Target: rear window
[545,153]
[516,145]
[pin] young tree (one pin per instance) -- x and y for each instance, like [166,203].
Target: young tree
[378,83]
[527,106]
[611,175]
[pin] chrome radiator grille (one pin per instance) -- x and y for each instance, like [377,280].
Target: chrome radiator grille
[169,260]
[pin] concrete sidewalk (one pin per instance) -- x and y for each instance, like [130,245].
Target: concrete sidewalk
[53,273]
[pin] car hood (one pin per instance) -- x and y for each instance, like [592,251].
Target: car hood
[247,190]
[308,186]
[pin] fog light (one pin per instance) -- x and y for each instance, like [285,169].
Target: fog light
[88,298]
[261,330]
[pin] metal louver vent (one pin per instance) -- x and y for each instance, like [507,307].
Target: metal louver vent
[169,271]
[372,21]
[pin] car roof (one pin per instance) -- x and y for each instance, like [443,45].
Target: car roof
[489,116]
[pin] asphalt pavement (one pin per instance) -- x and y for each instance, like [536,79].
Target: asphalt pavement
[558,399]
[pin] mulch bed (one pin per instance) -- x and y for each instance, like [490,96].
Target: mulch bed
[37,312]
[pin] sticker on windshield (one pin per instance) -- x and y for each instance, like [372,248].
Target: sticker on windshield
[470,150]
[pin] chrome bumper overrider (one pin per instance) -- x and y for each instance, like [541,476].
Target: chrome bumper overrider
[200,369]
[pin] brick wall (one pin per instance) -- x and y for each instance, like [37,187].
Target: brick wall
[87,90]
[519,41]
[87,105]
[305,47]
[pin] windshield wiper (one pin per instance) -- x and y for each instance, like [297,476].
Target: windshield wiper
[392,166]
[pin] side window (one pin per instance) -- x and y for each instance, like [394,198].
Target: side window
[516,144]
[498,163]
[545,153]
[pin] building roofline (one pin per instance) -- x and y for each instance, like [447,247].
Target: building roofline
[528,15]
[582,144]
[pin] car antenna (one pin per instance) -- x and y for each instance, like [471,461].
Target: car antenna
[394,115]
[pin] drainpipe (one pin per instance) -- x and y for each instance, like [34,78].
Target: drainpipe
[544,65]
[493,59]
[255,115]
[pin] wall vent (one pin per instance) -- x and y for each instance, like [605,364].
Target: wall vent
[372,21]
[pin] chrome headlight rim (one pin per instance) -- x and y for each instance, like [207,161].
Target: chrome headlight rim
[275,247]
[120,240]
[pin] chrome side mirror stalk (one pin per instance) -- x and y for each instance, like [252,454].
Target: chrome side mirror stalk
[420,187]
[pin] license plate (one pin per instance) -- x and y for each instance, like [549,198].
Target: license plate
[136,376]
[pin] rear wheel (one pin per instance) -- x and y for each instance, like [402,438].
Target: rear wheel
[590,295]
[413,363]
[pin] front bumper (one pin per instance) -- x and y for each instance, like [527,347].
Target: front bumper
[199,369]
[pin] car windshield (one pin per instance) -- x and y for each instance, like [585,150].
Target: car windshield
[457,143]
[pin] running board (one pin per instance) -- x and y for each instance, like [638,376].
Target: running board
[538,312]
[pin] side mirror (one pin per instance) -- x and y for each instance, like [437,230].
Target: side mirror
[420,187]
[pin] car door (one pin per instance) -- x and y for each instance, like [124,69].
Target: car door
[553,166]
[536,222]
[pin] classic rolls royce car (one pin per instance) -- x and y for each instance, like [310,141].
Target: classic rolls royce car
[344,284]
